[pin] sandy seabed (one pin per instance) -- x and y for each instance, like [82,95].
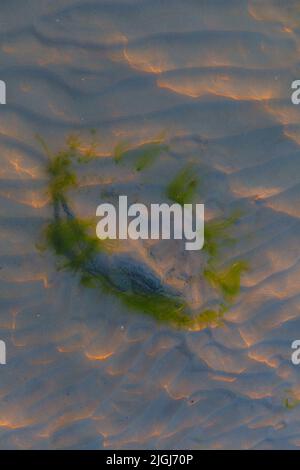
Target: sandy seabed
[215,76]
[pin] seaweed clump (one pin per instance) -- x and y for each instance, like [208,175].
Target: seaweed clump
[71,240]
[182,189]
[142,156]
[227,281]
[173,312]
[291,402]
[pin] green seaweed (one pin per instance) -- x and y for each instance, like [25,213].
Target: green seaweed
[82,153]
[291,401]
[91,151]
[120,150]
[71,239]
[62,178]
[144,155]
[172,311]
[209,317]
[148,153]
[290,405]
[73,142]
[216,234]
[227,281]
[182,189]
[164,309]
[68,238]
[59,168]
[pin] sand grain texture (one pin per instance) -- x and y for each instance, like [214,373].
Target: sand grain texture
[215,75]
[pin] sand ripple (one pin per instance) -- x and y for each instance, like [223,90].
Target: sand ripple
[83,372]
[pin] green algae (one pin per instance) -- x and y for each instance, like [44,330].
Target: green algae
[172,311]
[290,402]
[182,189]
[143,156]
[217,234]
[227,281]
[148,154]
[162,308]
[120,150]
[71,240]
[62,177]
[83,153]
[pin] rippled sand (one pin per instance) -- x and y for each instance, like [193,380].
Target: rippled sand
[215,76]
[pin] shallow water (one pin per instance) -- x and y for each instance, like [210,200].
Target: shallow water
[213,76]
